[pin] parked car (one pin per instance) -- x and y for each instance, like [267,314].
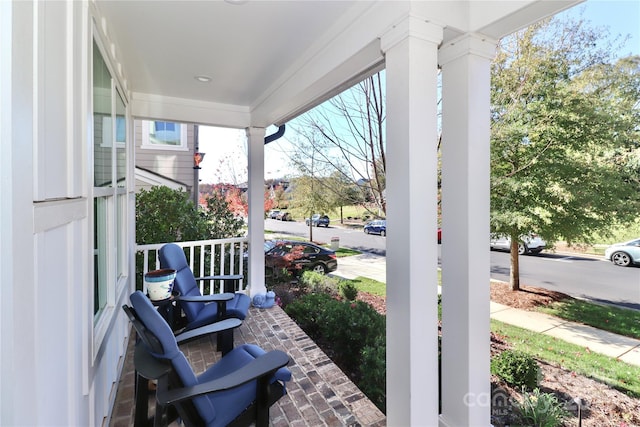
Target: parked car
[439,235]
[273,213]
[529,244]
[378,226]
[284,216]
[318,220]
[624,254]
[298,256]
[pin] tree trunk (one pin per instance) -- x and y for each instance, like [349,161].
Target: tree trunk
[515,265]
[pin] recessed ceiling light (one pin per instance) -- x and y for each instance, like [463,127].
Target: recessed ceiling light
[236,1]
[203,79]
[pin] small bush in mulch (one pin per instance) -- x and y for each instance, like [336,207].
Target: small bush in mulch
[516,368]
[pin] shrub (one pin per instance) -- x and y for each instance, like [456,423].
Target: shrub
[541,409]
[164,215]
[348,290]
[373,381]
[318,283]
[355,332]
[516,368]
[307,312]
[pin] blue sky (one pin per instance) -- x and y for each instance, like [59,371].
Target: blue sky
[621,16]
[226,153]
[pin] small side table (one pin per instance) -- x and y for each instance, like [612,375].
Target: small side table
[166,308]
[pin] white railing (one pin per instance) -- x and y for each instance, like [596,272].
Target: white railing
[205,258]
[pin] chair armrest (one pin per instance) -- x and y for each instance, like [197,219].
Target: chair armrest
[223,277]
[262,366]
[228,296]
[148,366]
[223,325]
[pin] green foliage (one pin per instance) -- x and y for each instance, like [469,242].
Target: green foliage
[355,331]
[318,283]
[166,215]
[222,223]
[564,137]
[539,409]
[571,357]
[348,290]
[350,327]
[365,284]
[565,145]
[308,312]
[610,318]
[373,382]
[516,368]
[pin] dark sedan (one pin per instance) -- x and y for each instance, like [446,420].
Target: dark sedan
[296,257]
[318,220]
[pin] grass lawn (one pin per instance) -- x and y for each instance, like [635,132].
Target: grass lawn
[610,371]
[371,286]
[343,252]
[609,318]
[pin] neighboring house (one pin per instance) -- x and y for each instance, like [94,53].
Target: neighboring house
[164,155]
[74,77]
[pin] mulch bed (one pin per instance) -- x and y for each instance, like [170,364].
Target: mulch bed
[604,406]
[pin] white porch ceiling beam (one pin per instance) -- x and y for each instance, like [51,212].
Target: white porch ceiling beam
[156,107]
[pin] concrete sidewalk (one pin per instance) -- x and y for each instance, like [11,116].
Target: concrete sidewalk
[617,346]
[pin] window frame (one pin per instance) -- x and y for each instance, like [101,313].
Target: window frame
[147,144]
[111,223]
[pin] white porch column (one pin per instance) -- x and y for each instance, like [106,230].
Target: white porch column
[466,398]
[255,144]
[412,259]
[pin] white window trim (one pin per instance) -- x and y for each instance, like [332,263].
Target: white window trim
[147,145]
[107,131]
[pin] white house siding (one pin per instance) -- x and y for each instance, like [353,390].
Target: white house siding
[54,369]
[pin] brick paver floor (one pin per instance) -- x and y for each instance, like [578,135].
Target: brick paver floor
[319,394]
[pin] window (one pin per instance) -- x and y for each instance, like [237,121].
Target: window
[164,135]
[110,229]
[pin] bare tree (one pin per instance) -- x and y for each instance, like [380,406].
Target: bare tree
[346,137]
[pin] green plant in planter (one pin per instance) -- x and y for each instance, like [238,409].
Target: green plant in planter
[516,368]
[539,409]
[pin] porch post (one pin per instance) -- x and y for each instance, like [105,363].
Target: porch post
[412,259]
[255,144]
[466,398]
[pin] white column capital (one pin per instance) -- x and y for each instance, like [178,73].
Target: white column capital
[412,26]
[467,44]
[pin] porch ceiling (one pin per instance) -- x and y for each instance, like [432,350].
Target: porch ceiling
[271,60]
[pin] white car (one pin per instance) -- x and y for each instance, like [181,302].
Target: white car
[624,254]
[529,244]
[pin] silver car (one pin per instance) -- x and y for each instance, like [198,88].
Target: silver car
[624,254]
[529,244]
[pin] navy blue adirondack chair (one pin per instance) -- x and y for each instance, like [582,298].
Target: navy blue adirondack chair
[236,391]
[202,309]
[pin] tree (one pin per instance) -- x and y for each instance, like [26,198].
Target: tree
[564,136]
[165,215]
[342,192]
[306,195]
[345,136]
